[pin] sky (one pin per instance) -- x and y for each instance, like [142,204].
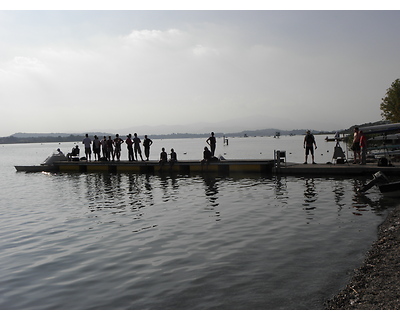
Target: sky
[165,71]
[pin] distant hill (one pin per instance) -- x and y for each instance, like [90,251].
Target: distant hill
[22,137]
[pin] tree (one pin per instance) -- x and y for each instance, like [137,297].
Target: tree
[390,105]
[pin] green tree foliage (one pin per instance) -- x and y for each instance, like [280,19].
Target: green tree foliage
[390,105]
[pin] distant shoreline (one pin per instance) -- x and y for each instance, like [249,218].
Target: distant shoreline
[63,137]
[21,137]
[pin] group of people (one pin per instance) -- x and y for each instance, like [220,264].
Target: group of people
[359,146]
[110,149]
[164,157]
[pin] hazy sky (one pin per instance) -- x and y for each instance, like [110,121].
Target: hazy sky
[80,71]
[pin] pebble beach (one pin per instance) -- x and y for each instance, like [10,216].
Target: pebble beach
[375,285]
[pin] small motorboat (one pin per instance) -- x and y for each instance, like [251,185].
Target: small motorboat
[47,165]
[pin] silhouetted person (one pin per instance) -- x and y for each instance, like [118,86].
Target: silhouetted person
[207,156]
[110,149]
[96,148]
[129,146]
[104,146]
[163,157]
[212,142]
[174,157]
[308,144]
[117,145]
[146,145]
[356,145]
[88,152]
[74,153]
[363,148]
[136,146]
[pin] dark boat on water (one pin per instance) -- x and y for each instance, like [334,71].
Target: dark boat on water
[386,187]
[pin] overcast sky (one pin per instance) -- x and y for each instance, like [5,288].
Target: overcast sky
[83,71]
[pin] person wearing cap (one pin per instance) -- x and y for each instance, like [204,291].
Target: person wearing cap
[308,144]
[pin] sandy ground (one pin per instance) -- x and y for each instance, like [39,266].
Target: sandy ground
[375,285]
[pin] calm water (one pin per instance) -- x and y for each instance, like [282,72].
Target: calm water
[131,241]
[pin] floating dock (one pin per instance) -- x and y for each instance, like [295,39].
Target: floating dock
[346,169]
[222,167]
[182,167]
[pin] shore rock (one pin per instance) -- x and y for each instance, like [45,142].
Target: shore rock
[375,285]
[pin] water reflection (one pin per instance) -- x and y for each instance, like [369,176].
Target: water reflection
[139,192]
[211,193]
[116,192]
[310,195]
[361,203]
[280,189]
[339,193]
[124,193]
[170,186]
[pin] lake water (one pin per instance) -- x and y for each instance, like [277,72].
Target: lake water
[135,241]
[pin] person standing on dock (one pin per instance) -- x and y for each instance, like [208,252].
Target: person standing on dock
[117,145]
[308,144]
[136,146]
[129,146]
[110,149]
[104,147]
[356,146]
[363,148]
[146,145]
[212,142]
[96,148]
[88,152]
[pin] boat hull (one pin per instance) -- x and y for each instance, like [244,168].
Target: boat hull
[40,168]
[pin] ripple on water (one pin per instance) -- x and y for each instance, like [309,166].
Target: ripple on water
[162,242]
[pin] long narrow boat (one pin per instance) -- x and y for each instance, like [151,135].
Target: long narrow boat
[382,128]
[38,168]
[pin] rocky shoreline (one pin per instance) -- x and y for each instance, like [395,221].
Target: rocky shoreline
[375,285]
